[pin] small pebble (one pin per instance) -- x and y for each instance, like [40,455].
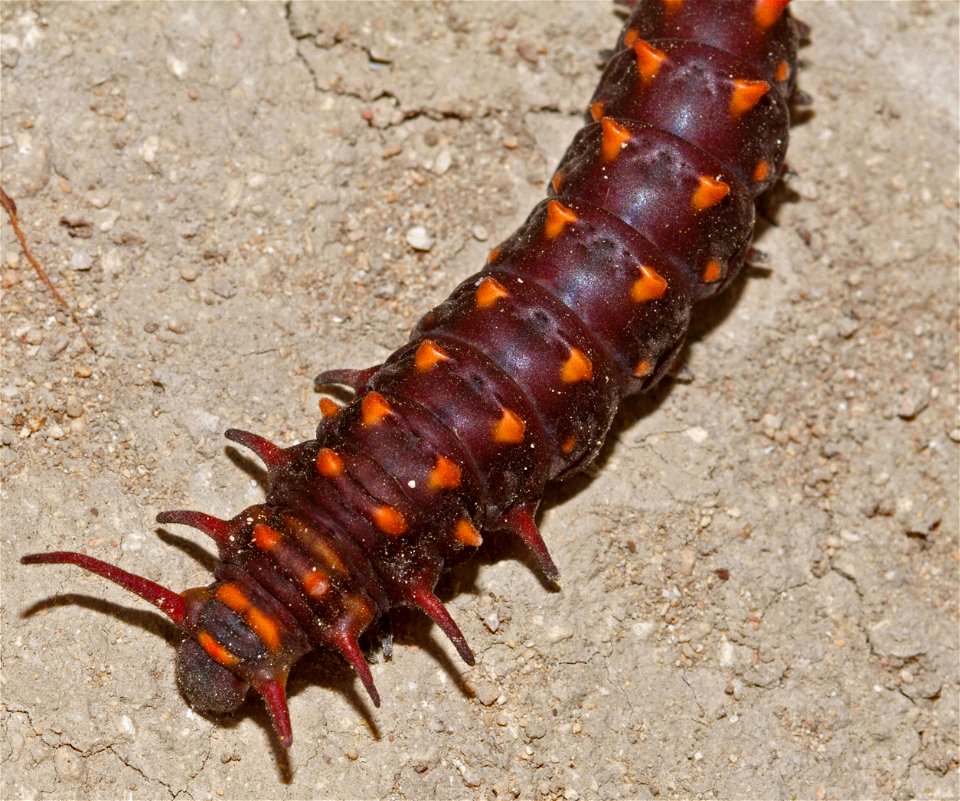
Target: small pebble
[487,693]
[188,274]
[224,288]
[81,260]
[83,372]
[492,621]
[480,233]
[527,50]
[34,336]
[149,148]
[419,239]
[177,326]
[99,198]
[74,407]
[442,162]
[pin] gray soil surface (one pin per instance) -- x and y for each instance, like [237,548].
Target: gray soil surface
[760,576]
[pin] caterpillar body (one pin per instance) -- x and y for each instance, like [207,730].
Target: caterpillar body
[510,383]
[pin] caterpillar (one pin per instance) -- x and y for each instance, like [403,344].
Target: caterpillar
[510,383]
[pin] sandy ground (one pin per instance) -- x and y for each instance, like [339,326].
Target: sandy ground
[760,577]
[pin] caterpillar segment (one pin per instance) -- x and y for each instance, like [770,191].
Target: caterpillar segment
[511,382]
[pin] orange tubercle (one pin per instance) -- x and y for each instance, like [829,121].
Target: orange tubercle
[643,368]
[445,475]
[467,534]
[708,193]
[494,254]
[264,537]
[712,272]
[389,520]
[558,218]
[746,95]
[429,354]
[596,109]
[217,652]
[509,429]
[761,171]
[577,367]
[672,6]
[783,71]
[329,463]
[557,181]
[329,408]
[649,60]
[373,408]
[315,584]
[649,286]
[767,12]
[489,292]
[613,139]
[568,445]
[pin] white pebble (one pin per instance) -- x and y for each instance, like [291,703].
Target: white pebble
[419,239]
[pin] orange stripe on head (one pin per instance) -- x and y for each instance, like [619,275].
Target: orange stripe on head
[429,354]
[231,596]
[217,652]
[767,12]
[389,520]
[329,463]
[558,218]
[577,367]
[649,60]
[745,95]
[445,475]
[649,286]
[708,193]
[265,627]
[613,140]
[489,291]
[467,534]
[264,537]
[373,408]
[509,429]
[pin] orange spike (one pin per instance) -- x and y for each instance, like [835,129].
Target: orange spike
[761,171]
[783,71]
[643,368]
[613,139]
[373,408]
[767,12]
[558,218]
[577,367]
[568,445]
[494,254]
[557,181]
[466,534]
[329,408]
[489,292]
[746,94]
[712,272]
[445,475]
[630,37]
[649,60]
[265,627]
[649,286]
[596,110]
[429,355]
[389,520]
[329,463]
[672,6]
[430,604]
[348,646]
[509,429]
[217,652]
[264,537]
[709,192]
[519,521]
[274,694]
[315,584]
